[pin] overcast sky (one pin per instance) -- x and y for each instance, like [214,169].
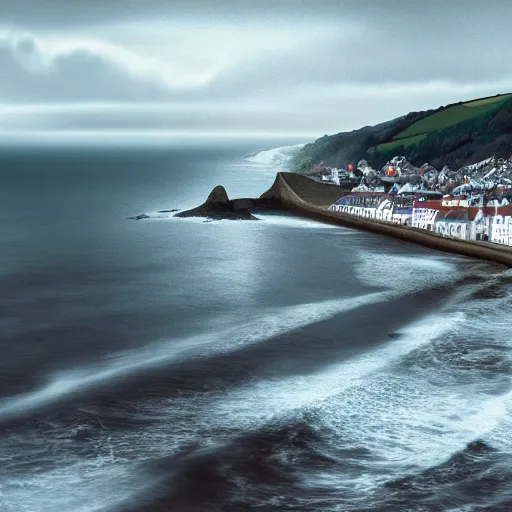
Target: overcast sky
[244,67]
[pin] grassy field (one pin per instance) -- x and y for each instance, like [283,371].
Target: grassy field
[453,134]
[408,141]
[487,101]
[450,116]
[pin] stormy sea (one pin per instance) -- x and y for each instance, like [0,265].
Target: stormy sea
[176,365]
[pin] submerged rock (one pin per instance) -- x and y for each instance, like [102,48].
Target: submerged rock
[217,207]
[140,217]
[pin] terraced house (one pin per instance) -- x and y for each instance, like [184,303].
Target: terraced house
[431,211]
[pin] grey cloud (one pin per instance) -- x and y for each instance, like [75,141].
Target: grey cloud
[77,76]
[377,58]
[372,58]
[459,40]
[26,46]
[409,42]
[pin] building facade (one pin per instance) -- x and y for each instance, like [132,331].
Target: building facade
[446,216]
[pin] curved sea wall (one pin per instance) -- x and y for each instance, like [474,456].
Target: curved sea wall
[311,199]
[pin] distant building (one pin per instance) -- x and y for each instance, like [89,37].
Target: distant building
[457,217]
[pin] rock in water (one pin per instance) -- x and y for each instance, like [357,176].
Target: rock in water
[218,206]
[140,217]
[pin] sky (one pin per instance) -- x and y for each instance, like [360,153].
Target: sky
[293,67]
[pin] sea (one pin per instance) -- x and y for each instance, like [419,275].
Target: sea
[170,364]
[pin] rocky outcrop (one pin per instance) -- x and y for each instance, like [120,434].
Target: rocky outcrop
[218,207]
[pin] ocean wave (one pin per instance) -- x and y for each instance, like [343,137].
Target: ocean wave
[261,326]
[404,272]
[277,157]
[349,428]
[269,399]
[111,453]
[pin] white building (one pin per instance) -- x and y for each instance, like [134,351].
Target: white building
[500,229]
[424,218]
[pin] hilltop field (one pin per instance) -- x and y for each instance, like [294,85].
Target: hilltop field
[455,135]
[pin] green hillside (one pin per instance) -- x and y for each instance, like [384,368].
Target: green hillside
[487,101]
[405,142]
[454,135]
[453,115]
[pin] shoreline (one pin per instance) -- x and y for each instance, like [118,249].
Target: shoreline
[310,199]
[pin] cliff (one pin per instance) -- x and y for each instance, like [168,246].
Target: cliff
[454,135]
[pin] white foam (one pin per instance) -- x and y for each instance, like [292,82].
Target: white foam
[159,215]
[411,420]
[482,418]
[92,485]
[117,450]
[260,327]
[275,157]
[404,272]
[266,220]
[405,421]
[298,222]
[263,401]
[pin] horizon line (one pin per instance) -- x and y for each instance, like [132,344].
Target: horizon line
[152,134]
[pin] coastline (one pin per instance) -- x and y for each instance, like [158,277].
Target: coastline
[310,199]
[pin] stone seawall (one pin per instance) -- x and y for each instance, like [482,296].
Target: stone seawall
[311,199]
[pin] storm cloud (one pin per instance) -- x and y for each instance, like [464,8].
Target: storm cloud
[290,67]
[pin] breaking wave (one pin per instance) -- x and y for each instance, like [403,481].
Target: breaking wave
[280,157]
[260,327]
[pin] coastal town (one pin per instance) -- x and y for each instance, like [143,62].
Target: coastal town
[472,203]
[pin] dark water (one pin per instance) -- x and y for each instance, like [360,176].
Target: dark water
[172,364]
